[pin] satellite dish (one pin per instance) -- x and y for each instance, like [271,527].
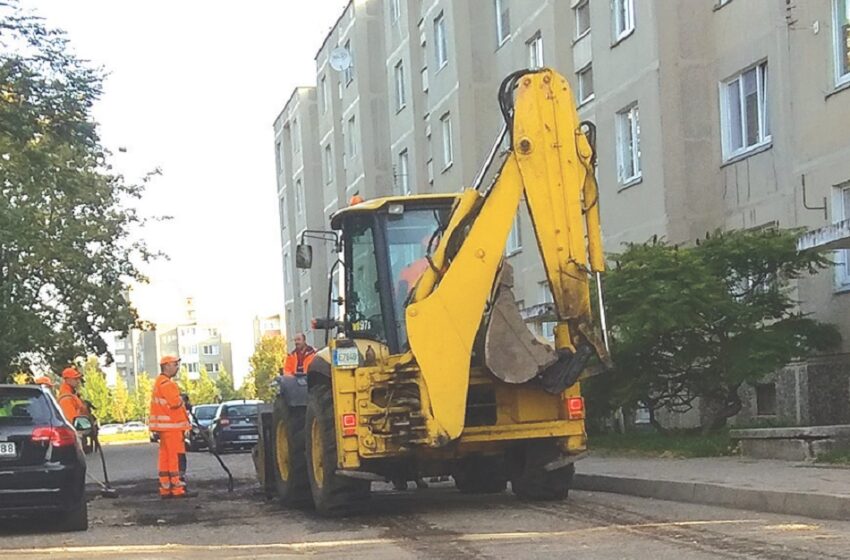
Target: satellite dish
[340,59]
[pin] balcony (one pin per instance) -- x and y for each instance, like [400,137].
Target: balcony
[829,238]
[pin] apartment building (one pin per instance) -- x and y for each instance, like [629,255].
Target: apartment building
[709,114]
[270,325]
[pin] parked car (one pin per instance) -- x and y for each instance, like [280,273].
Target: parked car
[42,465]
[110,429]
[196,438]
[134,427]
[235,425]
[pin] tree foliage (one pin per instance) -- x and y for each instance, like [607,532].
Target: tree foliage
[266,363]
[120,406]
[224,384]
[96,391]
[202,390]
[702,321]
[248,389]
[141,398]
[67,252]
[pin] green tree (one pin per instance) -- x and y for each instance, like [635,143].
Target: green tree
[141,398]
[205,390]
[224,384]
[120,405]
[95,390]
[248,389]
[266,363]
[67,246]
[701,321]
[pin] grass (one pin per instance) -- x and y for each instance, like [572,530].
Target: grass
[124,438]
[838,457]
[677,444]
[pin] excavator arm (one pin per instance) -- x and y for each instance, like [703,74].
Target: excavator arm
[551,165]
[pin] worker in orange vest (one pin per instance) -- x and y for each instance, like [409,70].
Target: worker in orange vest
[299,359]
[69,401]
[44,381]
[168,417]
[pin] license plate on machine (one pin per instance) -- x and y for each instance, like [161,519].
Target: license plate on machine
[346,357]
[7,449]
[249,437]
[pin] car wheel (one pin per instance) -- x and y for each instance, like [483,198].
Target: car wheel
[76,519]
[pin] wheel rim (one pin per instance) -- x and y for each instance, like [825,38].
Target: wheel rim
[282,451]
[316,453]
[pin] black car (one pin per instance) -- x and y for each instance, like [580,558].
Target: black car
[42,465]
[196,438]
[235,425]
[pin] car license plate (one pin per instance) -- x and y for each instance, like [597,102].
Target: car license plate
[249,437]
[7,449]
[346,357]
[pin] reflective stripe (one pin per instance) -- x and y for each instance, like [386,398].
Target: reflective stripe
[169,425]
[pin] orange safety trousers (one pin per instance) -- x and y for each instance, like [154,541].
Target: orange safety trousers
[171,447]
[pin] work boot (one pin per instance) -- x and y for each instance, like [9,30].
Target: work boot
[188,494]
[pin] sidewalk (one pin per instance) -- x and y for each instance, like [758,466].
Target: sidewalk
[758,485]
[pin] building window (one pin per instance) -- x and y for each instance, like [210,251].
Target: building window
[329,165]
[744,111]
[441,49]
[582,15]
[399,86]
[841,212]
[448,153]
[514,244]
[287,275]
[395,11]
[585,84]
[277,159]
[283,216]
[210,349]
[535,51]
[323,95]
[547,328]
[628,144]
[348,73]
[766,399]
[306,314]
[299,198]
[192,368]
[212,367]
[503,21]
[296,136]
[624,18]
[402,177]
[352,145]
[424,74]
[841,24]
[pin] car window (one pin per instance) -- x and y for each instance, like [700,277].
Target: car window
[241,410]
[205,412]
[24,408]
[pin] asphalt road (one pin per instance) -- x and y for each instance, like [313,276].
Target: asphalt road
[437,522]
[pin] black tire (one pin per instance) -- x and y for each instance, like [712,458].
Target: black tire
[76,519]
[531,481]
[480,475]
[290,472]
[333,495]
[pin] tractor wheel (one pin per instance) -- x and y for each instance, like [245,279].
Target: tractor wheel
[290,464]
[531,481]
[480,475]
[333,495]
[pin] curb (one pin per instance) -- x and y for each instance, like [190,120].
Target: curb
[818,506]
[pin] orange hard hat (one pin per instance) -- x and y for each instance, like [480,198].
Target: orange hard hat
[168,359]
[356,199]
[71,373]
[43,380]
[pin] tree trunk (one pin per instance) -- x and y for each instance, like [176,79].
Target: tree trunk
[653,421]
[716,409]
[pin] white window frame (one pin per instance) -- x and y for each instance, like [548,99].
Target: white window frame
[514,242]
[840,78]
[299,197]
[296,135]
[325,98]
[581,81]
[348,73]
[403,172]
[841,212]
[448,146]
[628,144]
[623,24]
[329,164]
[762,103]
[547,328]
[395,11]
[352,145]
[400,96]
[503,21]
[535,51]
[278,159]
[583,4]
[441,45]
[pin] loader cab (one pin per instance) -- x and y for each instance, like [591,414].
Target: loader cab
[385,243]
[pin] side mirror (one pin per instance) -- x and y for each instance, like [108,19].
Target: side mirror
[82,424]
[303,256]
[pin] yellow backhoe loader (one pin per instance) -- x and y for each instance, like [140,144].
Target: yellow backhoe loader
[429,368]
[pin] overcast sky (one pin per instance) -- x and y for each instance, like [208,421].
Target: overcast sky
[193,88]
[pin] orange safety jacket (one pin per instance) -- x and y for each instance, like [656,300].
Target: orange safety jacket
[298,364]
[412,272]
[167,412]
[71,404]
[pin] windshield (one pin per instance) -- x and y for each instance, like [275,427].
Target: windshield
[240,410]
[24,408]
[205,412]
[408,236]
[364,303]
